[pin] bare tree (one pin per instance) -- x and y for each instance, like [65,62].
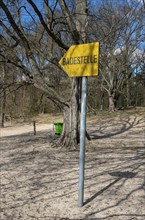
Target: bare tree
[120,30]
[34,41]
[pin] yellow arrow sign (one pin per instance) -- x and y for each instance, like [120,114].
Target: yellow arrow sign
[81,60]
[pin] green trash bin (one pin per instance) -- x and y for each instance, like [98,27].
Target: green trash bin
[58,127]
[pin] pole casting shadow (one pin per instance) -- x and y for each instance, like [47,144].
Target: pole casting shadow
[120,176]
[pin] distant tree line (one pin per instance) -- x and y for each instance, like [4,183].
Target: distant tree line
[20,99]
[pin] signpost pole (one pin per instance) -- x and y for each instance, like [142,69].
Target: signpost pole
[82,141]
[84,58]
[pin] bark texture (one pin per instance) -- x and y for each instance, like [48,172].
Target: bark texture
[111,102]
[70,135]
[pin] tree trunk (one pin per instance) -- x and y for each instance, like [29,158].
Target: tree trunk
[127,92]
[70,135]
[2,121]
[3,100]
[111,102]
[2,115]
[102,101]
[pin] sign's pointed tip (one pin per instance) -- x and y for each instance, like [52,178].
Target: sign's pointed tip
[60,62]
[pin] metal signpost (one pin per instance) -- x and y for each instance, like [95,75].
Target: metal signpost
[81,61]
[82,141]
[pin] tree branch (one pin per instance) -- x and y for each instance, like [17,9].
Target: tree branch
[70,21]
[50,33]
[14,25]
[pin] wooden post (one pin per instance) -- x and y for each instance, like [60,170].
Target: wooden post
[34,124]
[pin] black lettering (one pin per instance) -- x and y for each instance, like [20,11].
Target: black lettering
[91,59]
[95,58]
[64,61]
[81,59]
[85,59]
[88,59]
[78,59]
[67,62]
[75,60]
[71,60]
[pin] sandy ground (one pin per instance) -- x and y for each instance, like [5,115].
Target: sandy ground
[40,182]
